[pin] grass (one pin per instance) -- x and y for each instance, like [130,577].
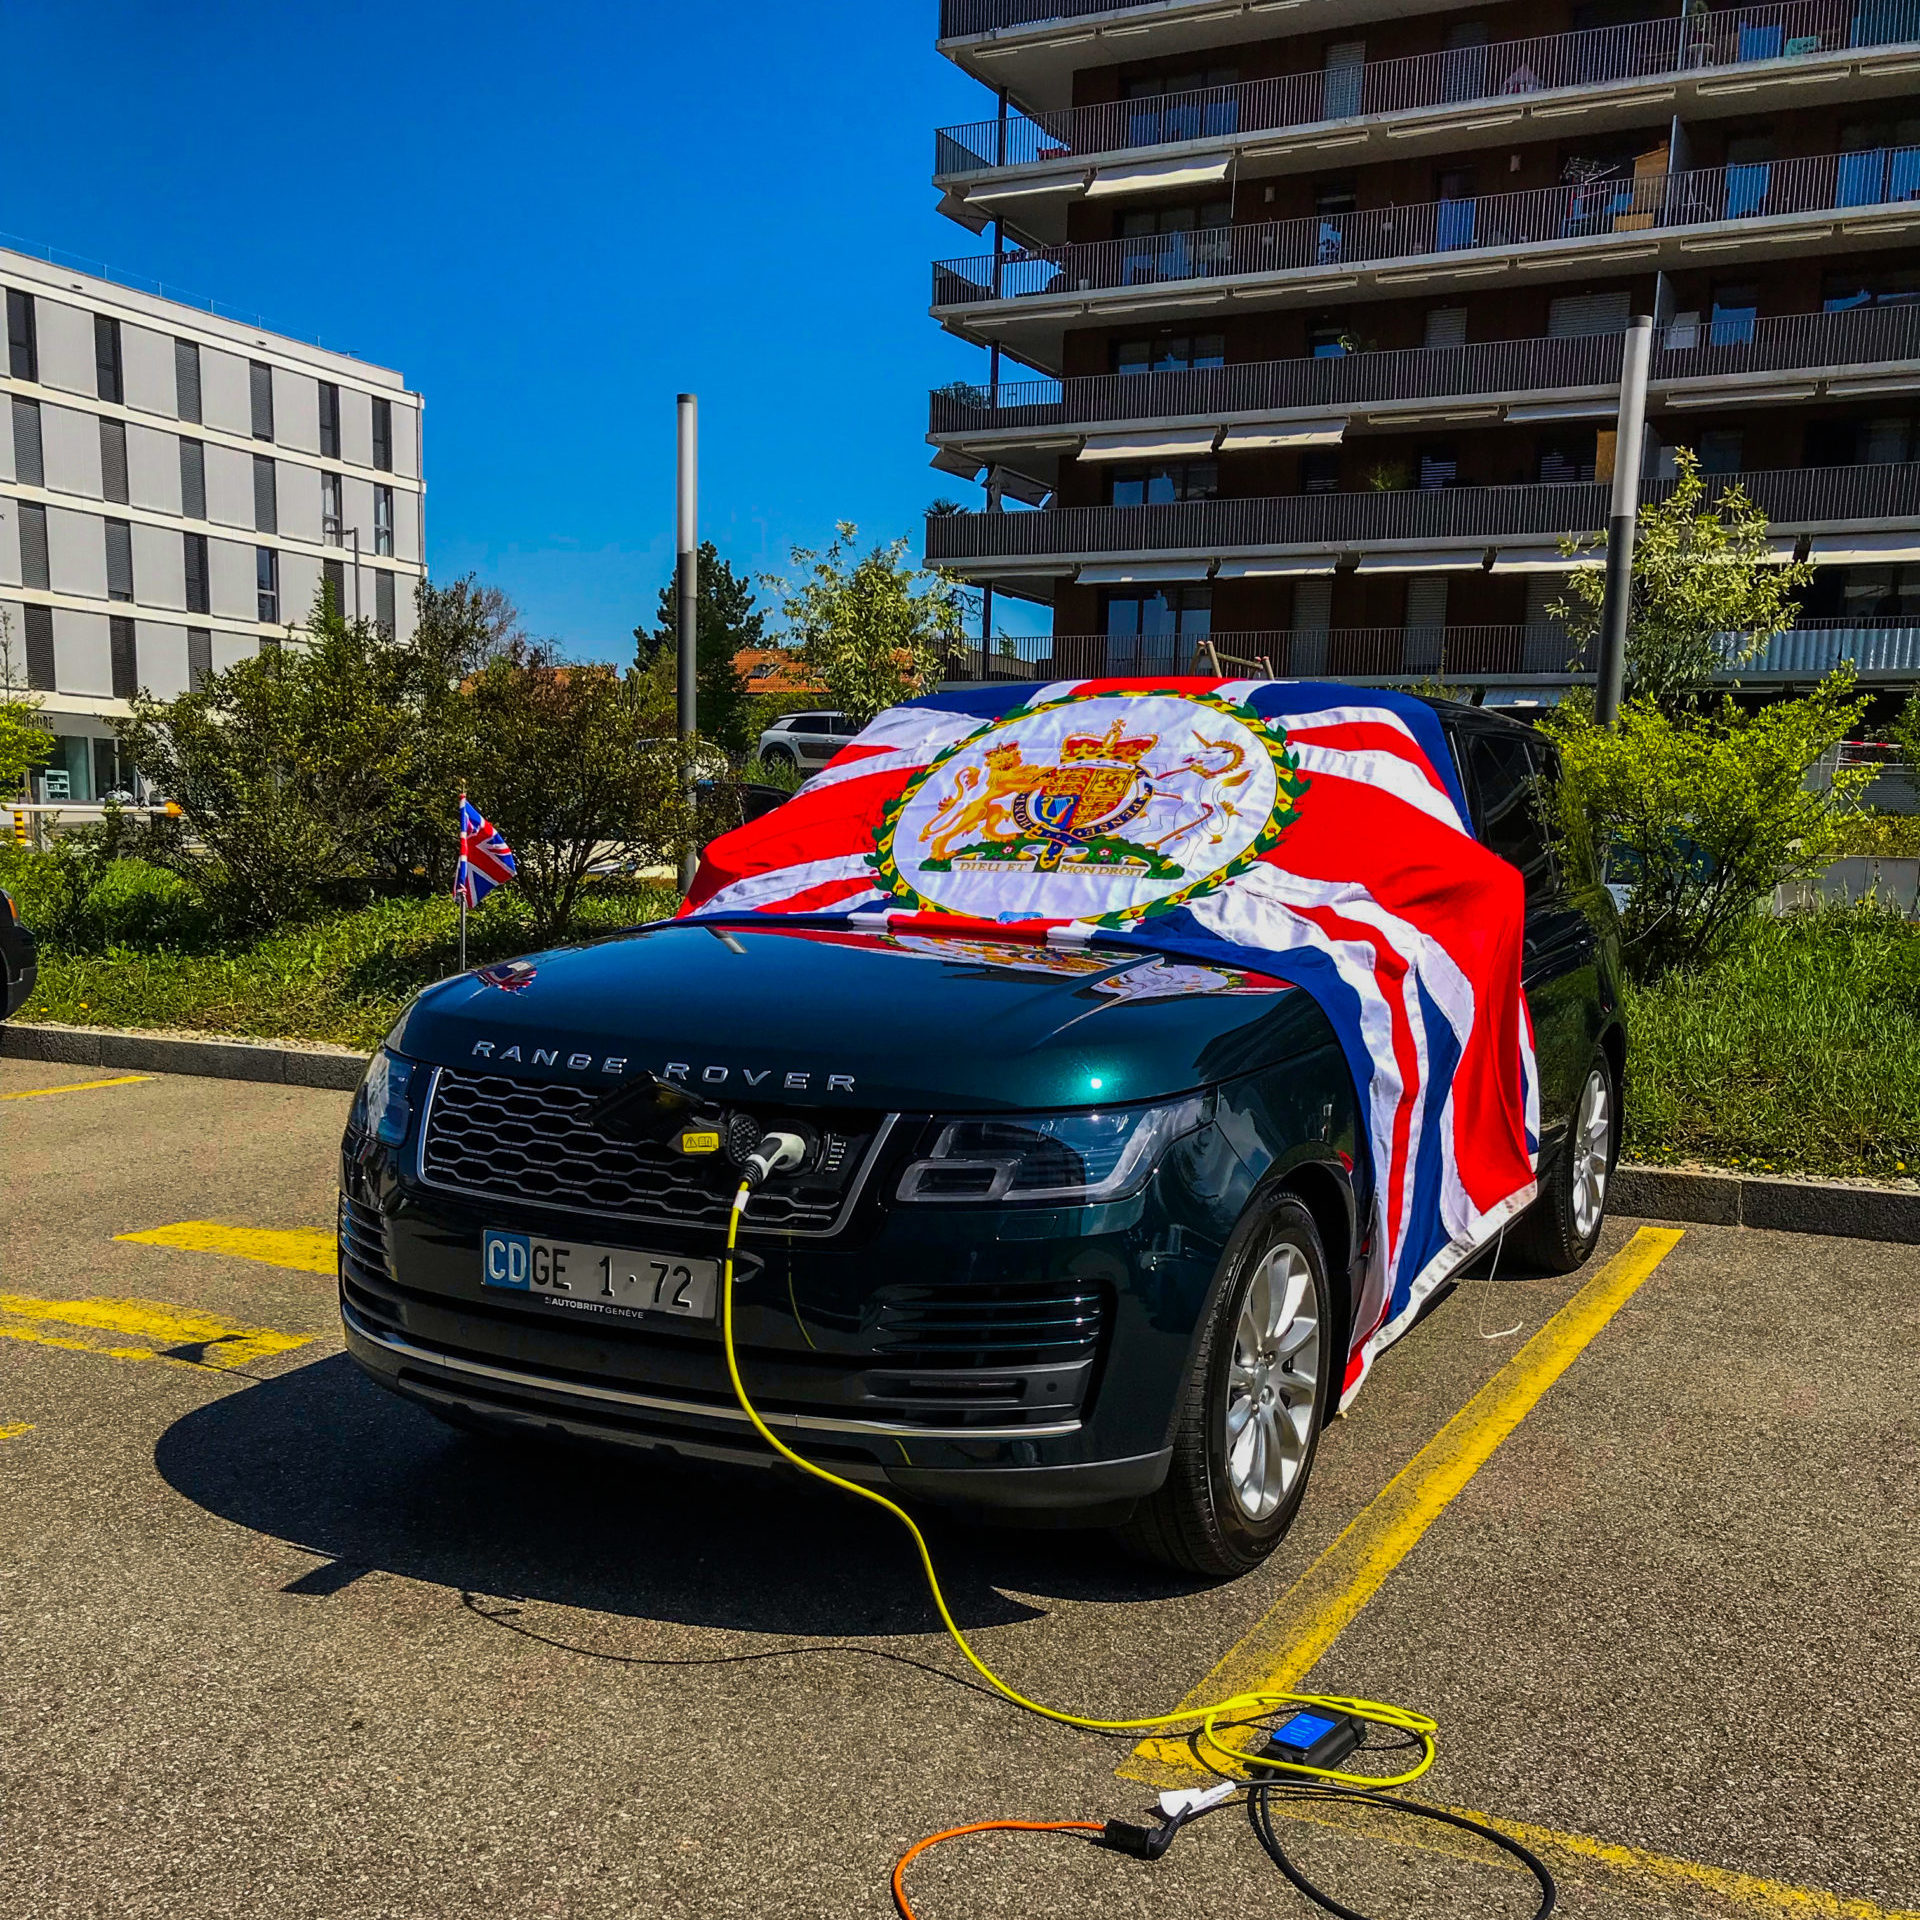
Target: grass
[1799,1052]
[343,978]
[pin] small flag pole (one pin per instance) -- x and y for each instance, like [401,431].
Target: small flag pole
[460,892]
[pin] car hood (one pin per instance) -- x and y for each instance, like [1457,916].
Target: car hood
[829,1016]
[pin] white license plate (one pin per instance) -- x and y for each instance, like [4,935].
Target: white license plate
[589,1279]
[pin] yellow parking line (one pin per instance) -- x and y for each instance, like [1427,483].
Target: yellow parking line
[16,1430]
[1310,1616]
[188,1338]
[1720,1889]
[78,1086]
[306,1249]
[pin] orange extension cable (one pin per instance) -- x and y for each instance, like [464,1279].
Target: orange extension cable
[900,1899]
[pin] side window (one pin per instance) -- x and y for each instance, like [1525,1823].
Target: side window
[1504,775]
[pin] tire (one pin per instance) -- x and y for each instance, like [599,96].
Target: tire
[1228,1499]
[780,757]
[1559,1232]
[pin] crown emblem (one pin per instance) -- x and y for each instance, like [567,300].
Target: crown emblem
[1110,746]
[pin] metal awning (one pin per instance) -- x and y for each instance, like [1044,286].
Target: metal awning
[1565,410]
[1129,573]
[1145,446]
[1045,187]
[1863,549]
[1430,560]
[1278,567]
[1725,396]
[1153,175]
[1543,560]
[1289,433]
[949,460]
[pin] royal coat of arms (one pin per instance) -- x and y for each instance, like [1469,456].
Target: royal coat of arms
[1097,806]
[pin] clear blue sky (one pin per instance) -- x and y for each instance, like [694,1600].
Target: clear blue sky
[552,219]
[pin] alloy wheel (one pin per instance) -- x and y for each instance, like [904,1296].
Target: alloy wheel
[1591,1148]
[1272,1382]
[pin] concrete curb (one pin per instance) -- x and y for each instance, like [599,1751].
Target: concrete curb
[1784,1206]
[122,1051]
[1645,1193]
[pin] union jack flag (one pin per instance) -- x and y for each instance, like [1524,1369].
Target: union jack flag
[1316,833]
[486,861]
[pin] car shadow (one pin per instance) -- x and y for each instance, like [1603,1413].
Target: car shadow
[322,1458]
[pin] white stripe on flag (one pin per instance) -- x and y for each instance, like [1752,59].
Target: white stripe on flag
[1385,771]
[763,890]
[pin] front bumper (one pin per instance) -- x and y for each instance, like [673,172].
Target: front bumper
[817,1328]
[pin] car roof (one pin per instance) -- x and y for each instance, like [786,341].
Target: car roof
[1458,715]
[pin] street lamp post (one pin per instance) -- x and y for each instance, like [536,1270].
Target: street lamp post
[688,542]
[1610,678]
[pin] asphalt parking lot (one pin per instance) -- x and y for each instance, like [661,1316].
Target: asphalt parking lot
[279,1644]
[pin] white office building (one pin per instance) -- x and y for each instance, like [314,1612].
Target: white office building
[174,488]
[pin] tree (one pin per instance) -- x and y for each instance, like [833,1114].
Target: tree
[1704,814]
[25,742]
[874,631]
[578,766]
[1706,591]
[323,772]
[725,621]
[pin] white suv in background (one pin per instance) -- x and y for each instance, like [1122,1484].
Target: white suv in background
[805,741]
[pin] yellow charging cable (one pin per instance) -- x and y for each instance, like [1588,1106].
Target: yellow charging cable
[1239,1707]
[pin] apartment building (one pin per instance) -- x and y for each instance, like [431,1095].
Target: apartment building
[1301,319]
[174,489]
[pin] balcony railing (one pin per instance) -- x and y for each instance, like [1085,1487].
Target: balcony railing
[1334,522]
[982,16]
[1584,210]
[1798,342]
[1811,649]
[1509,69]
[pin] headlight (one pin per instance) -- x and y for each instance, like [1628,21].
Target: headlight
[1104,1153]
[384,1104]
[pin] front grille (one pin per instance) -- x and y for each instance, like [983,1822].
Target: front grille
[501,1139]
[993,1325]
[363,1244]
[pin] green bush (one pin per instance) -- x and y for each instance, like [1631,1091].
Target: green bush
[136,904]
[1702,815]
[49,890]
[1797,1050]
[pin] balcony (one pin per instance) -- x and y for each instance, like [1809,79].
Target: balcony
[1846,355]
[1030,296]
[1791,50]
[1882,651]
[1457,523]
[960,19]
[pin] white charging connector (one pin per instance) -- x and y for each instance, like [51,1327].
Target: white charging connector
[775,1154]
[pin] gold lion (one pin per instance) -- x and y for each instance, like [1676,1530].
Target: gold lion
[984,815]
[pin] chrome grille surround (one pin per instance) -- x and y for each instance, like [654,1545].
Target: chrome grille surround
[488,1137]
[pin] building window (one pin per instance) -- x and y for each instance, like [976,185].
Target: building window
[108,383]
[1849,287]
[199,587]
[186,379]
[383,520]
[33,545]
[113,461]
[1445,327]
[1720,450]
[266,574]
[39,636]
[333,580]
[1735,308]
[383,435]
[332,520]
[1155,628]
[119,560]
[193,480]
[1439,467]
[29,463]
[23,337]
[260,398]
[199,657]
[1171,353]
[383,602]
[1164,481]
[124,660]
[1569,457]
[329,420]
[266,496]
[1165,107]
[1320,470]
[1328,337]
